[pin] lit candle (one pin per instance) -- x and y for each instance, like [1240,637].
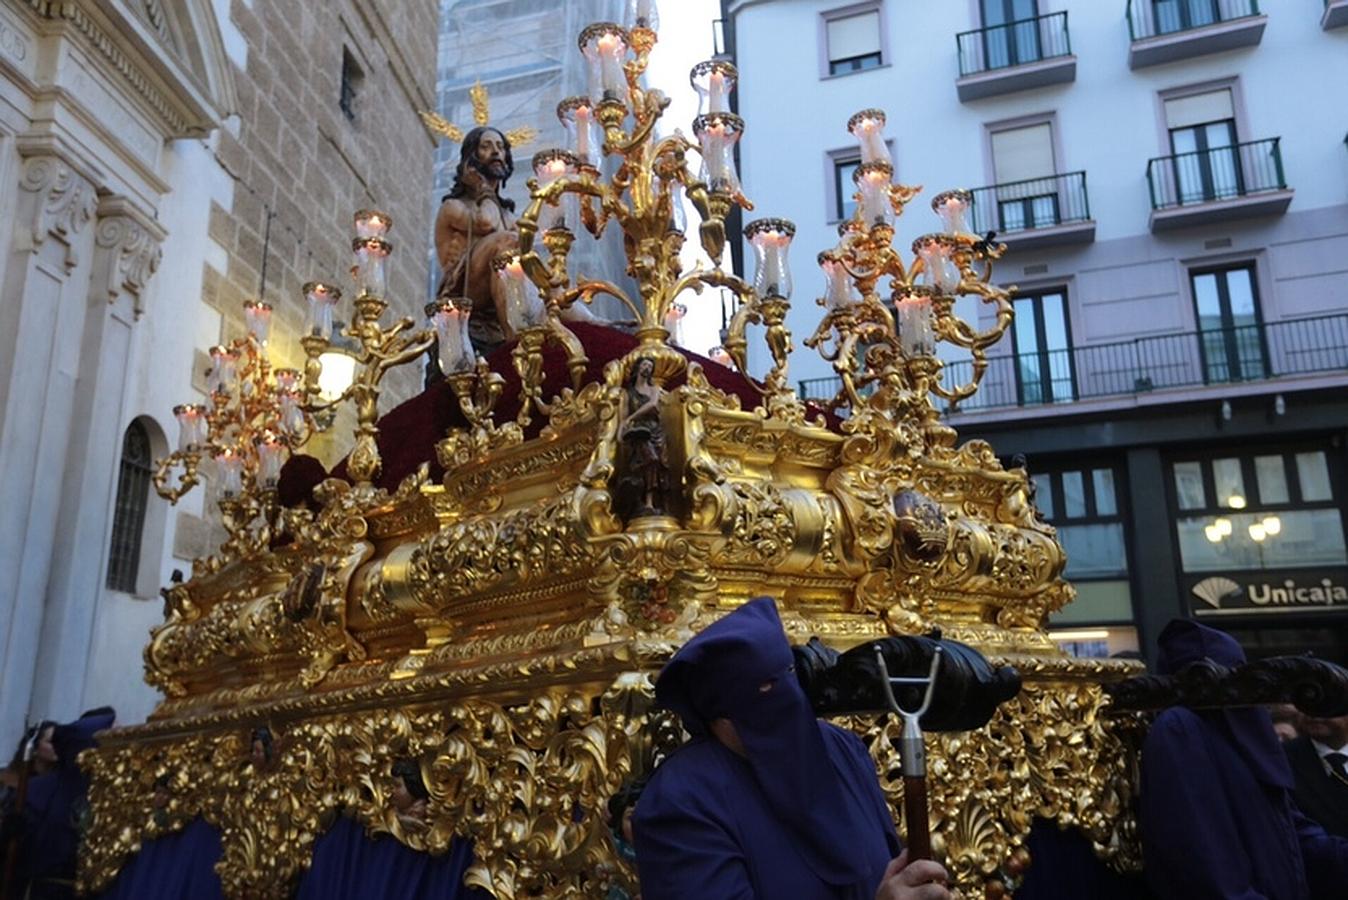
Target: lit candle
[191,425]
[874,181]
[938,269]
[916,336]
[717,134]
[604,46]
[868,127]
[771,239]
[220,379]
[271,455]
[369,270]
[257,318]
[674,323]
[524,308]
[372,224]
[320,299]
[451,328]
[229,471]
[713,80]
[549,165]
[952,207]
[643,14]
[718,354]
[838,289]
[291,416]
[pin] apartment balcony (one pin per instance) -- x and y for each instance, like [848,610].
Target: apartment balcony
[1018,56]
[1040,212]
[1163,367]
[1219,184]
[1336,14]
[1167,30]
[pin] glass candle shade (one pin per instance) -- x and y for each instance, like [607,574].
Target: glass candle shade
[577,117]
[605,46]
[718,354]
[839,292]
[191,425]
[370,270]
[713,80]
[914,314]
[320,300]
[229,472]
[371,223]
[953,208]
[290,416]
[939,271]
[287,379]
[868,127]
[771,240]
[451,328]
[271,455]
[674,323]
[549,165]
[717,134]
[643,14]
[224,370]
[669,192]
[257,319]
[874,181]
[524,308]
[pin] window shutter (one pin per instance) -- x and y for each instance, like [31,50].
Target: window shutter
[1214,106]
[1023,153]
[854,36]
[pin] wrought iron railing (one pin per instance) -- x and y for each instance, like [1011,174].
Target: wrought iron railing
[1218,173]
[1035,203]
[1014,44]
[1149,18]
[1186,359]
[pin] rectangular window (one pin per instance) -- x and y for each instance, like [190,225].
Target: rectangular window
[1271,476]
[1024,167]
[1180,15]
[1231,341]
[1010,32]
[1042,343]
[844,189]
[351,78]
[853,41]
[1205,158]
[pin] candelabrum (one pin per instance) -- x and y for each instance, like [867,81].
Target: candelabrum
[883,318]
[377,348]
[253,418]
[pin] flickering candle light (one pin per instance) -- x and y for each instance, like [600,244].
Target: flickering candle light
[604,46]
[839,291]
[713,80]
[320,300]
[953,208]
[577,117]
[451,328]
[271,455]
[868,127]
[223,372]
[229,472]
[916,335]
[371,223]
[717,134]
[874,180]
[370,271]
[524,308]
[771,239]
[191,425]
[938,269]
[549,165]
[257,319]
[643,14]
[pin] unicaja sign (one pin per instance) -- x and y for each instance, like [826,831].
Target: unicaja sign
[1222,594]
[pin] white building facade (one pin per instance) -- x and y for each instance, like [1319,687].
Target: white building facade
[1171,178]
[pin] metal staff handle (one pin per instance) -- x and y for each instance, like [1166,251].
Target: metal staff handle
[913,755]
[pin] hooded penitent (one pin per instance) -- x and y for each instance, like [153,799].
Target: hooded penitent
[799,815]
[1216,814]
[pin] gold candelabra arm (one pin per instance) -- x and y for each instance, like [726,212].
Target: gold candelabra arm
[189,460]
[587,289]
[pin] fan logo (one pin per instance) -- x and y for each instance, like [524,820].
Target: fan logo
[1217,590]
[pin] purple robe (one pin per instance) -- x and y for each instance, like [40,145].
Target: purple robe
[800,815]
[1216,812]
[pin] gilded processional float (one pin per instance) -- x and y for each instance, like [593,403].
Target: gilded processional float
[482,592]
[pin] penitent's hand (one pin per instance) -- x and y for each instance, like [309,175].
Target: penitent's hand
[923,880]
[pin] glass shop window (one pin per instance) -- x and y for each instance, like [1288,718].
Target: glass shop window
[1263,510]
[853,41]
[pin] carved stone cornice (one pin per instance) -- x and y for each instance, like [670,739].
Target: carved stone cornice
[66,201]
[134,242]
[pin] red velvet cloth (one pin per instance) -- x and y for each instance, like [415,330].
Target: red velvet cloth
[408,433]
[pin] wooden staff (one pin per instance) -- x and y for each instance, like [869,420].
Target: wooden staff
[913,755]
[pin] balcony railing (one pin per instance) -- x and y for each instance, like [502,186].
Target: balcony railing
[1150,18]
[1036,203]
[1240,354]
[1014,44]
[1218,173]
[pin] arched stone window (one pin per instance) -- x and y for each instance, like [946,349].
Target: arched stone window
[128,518]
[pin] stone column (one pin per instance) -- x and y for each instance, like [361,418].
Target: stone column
[126,255]
[42,298]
